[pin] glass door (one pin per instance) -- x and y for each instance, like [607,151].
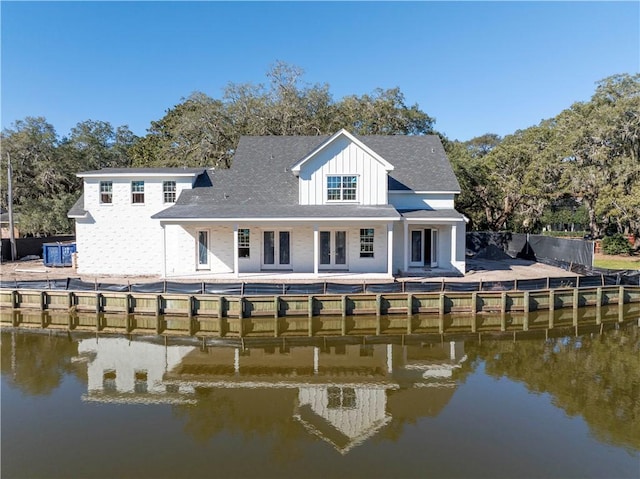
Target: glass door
[423,247]
[333,249]
[276,249]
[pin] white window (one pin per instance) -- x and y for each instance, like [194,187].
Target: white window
[137,192]
[366,242]
[106,192]
[169,191]
[342,187]
[203,249]
[341,398]
[243,243]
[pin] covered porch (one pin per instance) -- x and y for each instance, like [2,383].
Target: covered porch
[342,249]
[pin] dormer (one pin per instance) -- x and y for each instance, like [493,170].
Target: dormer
[342,170]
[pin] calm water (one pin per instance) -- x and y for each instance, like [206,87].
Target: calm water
[113,407]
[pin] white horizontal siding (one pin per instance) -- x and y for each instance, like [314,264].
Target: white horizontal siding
[120,238]
[434,201]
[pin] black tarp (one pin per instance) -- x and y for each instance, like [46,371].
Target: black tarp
[498,285]
[59,284]
[305,288]
[454,287]
[187,288]
[41,284]
[384,288]
[79,285]
[590,281]
[118,288]
[532,284]
[251,289]
[566,282]
[631,278]
[231,289]
[157,287]
[534,247]
[422,287]
[339,288]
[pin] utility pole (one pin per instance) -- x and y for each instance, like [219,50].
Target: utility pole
[12,238]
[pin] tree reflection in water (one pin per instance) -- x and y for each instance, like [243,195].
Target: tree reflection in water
[36,363]
[594,376]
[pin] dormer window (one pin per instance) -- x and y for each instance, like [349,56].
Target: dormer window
[342,187]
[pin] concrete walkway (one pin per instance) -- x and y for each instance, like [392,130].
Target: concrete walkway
[477,270]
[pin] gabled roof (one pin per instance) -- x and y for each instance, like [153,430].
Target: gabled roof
[147,172]
[342,133]
[77,210]
[260,181]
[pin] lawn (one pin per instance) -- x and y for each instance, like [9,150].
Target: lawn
[617,261]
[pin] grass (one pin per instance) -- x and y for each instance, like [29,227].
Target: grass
[617,262]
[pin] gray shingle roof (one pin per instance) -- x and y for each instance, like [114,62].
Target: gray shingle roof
[267,211]
[143,171]
[77,209]
[260,182]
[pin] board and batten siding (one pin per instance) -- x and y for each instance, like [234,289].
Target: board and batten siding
[342,157]
[106,238]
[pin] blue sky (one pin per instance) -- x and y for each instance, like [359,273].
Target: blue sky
[476,67]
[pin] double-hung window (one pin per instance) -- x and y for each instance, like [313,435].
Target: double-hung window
[169,191]
[106,192]
[243,243]
[137,192]
[366,242]
[342,187]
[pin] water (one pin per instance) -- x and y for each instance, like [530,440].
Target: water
[82,406]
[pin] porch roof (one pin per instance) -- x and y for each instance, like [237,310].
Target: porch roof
[267,212]
[432,215]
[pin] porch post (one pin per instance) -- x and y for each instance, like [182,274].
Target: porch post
[316,248]
[454,242]
[406,245]
[390,249]
[235,250]
[164,251]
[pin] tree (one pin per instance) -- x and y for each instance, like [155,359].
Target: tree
[202,131]
[603,138]
[45,167]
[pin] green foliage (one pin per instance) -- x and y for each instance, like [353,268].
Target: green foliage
[616,244]
[589,153]
[202,131]
[593,376]
[44,167]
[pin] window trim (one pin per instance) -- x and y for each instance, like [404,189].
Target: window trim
[342,188]
[133,192]
[109,193]
[173,192]
[244,243]
[367,242]
[199,265]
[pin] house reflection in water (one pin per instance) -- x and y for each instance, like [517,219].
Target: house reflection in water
[342,393]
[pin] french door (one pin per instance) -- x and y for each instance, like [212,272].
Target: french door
[276,249]
[333,249]
[424,247]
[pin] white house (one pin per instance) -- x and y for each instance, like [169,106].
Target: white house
[299,204]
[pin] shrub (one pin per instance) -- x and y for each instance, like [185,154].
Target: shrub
[616,244]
